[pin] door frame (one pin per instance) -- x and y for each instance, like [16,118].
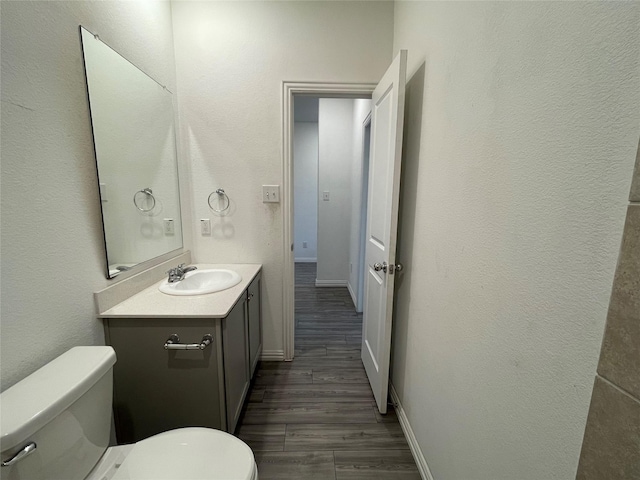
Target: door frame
[364,196]
[289,89]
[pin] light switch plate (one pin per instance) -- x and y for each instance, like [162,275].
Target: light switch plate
[271,194]
[325,196]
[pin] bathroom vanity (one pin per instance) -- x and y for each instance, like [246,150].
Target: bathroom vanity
[184,360]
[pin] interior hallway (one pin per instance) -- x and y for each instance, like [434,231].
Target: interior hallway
[315,417]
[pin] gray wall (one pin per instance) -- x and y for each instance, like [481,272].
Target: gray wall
[305,185]
[521,132]
[52,246]
[335,157]
[231,60]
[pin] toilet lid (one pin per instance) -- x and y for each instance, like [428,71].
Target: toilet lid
[188,453]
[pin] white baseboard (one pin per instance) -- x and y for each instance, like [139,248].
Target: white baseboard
[421,462]
[305,260]
[353,295]
[272,355]
[331,283]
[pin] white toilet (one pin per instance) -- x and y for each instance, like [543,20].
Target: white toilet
[55,424]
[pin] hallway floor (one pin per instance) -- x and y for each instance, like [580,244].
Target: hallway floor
[315,417]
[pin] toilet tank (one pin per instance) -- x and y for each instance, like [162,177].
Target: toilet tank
[65,409]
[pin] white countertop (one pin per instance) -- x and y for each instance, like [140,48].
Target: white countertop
[152,303]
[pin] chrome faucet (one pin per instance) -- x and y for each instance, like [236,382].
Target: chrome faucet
[177,274]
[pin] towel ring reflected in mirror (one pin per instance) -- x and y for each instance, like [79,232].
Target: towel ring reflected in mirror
[148,195]
[220,193]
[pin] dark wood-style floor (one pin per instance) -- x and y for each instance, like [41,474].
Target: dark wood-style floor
[315,417]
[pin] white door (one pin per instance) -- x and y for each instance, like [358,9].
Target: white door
[387,118]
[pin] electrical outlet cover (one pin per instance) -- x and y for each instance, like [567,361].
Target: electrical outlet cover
[205,226]
[169,226]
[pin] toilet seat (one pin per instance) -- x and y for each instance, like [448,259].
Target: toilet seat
[189,453]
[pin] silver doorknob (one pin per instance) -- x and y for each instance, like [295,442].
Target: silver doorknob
[380,266]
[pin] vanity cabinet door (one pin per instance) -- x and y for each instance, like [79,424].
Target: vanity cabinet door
[236,361]
[255,322]
[156,390]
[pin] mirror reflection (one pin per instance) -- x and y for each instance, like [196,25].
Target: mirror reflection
[133,130]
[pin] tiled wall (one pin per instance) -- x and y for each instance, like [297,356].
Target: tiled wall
[611,446]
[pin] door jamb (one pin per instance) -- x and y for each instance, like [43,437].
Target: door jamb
[289,89]
[364,206]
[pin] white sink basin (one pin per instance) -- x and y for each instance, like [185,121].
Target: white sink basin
[200,282]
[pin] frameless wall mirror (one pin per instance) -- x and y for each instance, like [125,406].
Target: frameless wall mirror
[133,133]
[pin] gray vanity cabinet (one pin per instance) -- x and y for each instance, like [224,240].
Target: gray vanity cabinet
[236,361]
[255,322]
[156,389]
[242,345]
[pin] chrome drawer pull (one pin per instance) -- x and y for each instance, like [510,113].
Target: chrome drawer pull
[173,343]
[26,450]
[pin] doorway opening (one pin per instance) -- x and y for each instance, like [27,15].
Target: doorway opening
[325,127]
[387,122]
[330,168]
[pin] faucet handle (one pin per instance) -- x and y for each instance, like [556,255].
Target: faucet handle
[174,274]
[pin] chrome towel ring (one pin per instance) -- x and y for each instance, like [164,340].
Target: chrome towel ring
[220,193]
[149,195]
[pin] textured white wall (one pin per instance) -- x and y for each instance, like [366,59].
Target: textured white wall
[231,60]
[305,190]
[520,138]
[361,109]
[335,157]
[52,247]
